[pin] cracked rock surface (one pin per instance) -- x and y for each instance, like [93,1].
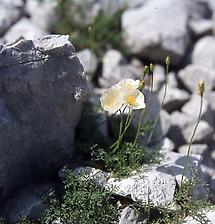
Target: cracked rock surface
[42,88]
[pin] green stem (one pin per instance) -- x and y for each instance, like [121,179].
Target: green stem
[161,106]
[120,130]
[143,112]
[192,138]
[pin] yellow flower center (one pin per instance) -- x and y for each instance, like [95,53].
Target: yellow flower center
[131,100]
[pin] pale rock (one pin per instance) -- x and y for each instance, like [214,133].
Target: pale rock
[167,145]
[10,12]
[115,68]
[202,27]
[24,28]
[159,77]
[88,60]
[175,98]
[204,132]
[44,10]
[129,216]
[192,74]
[192,107]
[147,37]
[178,123]
[204,52]
[209,215]
[147,185]
[198,149]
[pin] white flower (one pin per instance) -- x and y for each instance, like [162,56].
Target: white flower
[134,99]
[129,84]
[112,99]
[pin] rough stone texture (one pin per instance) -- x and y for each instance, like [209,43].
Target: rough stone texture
[88,60]
[192,74]
[115,68]
[147,185]
[173,164]
[175,98]
[202,27]
[10,12]
[42,88]
[42,13]
[27,202]
[147,37]
[204,52]
[204,132]
[178,122]
[191,109]
[209,214]
[129,216]
[195,149]
[24,28]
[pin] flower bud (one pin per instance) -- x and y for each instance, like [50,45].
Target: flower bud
[146,70]
[201,87]
[168,61]
[151,66]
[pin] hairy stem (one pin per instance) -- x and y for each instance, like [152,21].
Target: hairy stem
[161,106]
[192,138]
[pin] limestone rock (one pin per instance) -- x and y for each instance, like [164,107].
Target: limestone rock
[175,98]
[203,52]
[24,28]
[198,149]
[204,132]
[192,74]
[88,60]
[10,12]
[147,37]
[42,88]
[191,109]
[116,68]
[44,10]
[202,27]
[210,218]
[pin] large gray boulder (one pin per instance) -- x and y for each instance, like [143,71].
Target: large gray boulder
[151,31]
[42,88]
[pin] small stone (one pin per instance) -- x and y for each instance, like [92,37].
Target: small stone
[198,149]
[129,216]
[204,52]
[210,217]
[192,74]
[44,10]
[175,98]
[192,107]
[202,27]
[115,68]
[167,145]
[204,132]
[88,60]
[24,28]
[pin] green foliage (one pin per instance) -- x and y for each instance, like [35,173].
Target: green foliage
[127,159]
[84,202]
[105,30]
[187,206]
[24,220]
